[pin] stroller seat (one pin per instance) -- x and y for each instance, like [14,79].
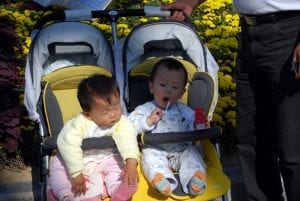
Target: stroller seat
[200,92]
[60,92]
[145,45]
[61,55]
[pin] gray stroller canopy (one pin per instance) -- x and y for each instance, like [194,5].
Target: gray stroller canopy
[164,30]
[62,38]
[180,41]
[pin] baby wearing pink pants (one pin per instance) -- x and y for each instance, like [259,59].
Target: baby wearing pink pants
[102,180]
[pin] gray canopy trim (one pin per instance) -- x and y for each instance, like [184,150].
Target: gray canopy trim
[201,91]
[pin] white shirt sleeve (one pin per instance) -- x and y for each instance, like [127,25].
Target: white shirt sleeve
[139,116]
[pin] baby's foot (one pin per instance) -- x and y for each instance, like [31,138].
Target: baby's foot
[198,183]
[161,184]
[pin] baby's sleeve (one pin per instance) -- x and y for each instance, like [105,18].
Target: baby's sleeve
[139,118]
[69,146]
[125,137]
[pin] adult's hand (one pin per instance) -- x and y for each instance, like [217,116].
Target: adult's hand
[296,61]
[182,8]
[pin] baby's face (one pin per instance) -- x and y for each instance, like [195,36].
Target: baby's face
[168,85]
[106,114]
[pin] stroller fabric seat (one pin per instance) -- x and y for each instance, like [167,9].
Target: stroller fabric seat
[63,83]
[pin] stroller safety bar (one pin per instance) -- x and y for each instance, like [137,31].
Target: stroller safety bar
[113,15]
[157,138]
[177,137]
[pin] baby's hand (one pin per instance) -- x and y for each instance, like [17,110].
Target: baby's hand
[131,177]
[78,185]
[154,117]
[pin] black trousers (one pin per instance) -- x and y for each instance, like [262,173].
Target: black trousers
[268,110]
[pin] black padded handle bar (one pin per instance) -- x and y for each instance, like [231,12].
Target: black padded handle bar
[112,15]
[157,138]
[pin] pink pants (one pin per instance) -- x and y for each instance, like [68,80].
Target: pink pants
[103,179]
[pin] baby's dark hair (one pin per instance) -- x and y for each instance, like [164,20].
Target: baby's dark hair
[170,64]
[96,86]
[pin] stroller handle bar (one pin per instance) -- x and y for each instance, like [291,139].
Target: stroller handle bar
[112,15]
[157,138]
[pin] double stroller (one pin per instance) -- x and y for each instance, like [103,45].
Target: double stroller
[66,51]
